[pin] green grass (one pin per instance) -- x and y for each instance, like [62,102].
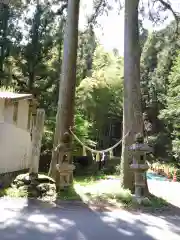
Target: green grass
[12,192]
[125,199]
[89,187]
[87,180]
[71,193]
[155,203]
[123,196]
[68,194]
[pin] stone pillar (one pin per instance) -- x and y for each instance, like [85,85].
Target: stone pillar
[139,166]
[37,133]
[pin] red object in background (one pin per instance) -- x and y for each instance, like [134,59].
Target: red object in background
[168,175]
[174,176]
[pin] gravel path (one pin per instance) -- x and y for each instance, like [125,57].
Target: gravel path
[21,219]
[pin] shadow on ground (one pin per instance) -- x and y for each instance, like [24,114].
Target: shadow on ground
[31,219]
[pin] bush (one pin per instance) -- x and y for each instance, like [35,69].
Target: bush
[177,175]
[161,144]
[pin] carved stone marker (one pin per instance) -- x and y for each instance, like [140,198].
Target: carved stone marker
[139,166]
[37,133]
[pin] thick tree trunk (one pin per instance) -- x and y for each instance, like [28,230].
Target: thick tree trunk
[65,112]
[132,114]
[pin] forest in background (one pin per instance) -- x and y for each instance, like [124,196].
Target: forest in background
[30,61]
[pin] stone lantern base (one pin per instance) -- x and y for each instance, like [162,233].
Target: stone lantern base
[65,175]
[140,183]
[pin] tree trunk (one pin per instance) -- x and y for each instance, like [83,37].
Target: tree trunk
[34,50]
[4,11]
[132,112]
[65,112]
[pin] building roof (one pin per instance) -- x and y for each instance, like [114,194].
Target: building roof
[12,95]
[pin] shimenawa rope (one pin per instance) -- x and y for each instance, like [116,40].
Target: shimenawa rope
[98,151]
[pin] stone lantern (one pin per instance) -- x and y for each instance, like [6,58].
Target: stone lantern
[139,150]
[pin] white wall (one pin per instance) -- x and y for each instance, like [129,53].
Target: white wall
[8,113]
[23,110]
[15,146]
[2,101]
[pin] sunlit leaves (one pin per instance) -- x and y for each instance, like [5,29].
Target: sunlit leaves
[100,96]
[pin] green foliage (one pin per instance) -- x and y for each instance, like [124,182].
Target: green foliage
[82,127]
[171,113]
[81,130]
[14,193]
[100,95]
[87,45]
[157,64]
[68,194]
[7,89]
[178,175]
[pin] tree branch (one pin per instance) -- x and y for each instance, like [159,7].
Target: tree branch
[97,11]
[19,82]
[175,14]
[63,7]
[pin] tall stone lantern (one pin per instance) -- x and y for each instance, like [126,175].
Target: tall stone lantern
[139,166]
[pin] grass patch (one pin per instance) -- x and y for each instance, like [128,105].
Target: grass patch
[123,196]
[126,200]
[87,180]
[155,203]
[110,191]
[13,192]
[68,194]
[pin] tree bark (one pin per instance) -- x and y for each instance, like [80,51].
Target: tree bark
[4,11]
[132,112]
[65,112]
